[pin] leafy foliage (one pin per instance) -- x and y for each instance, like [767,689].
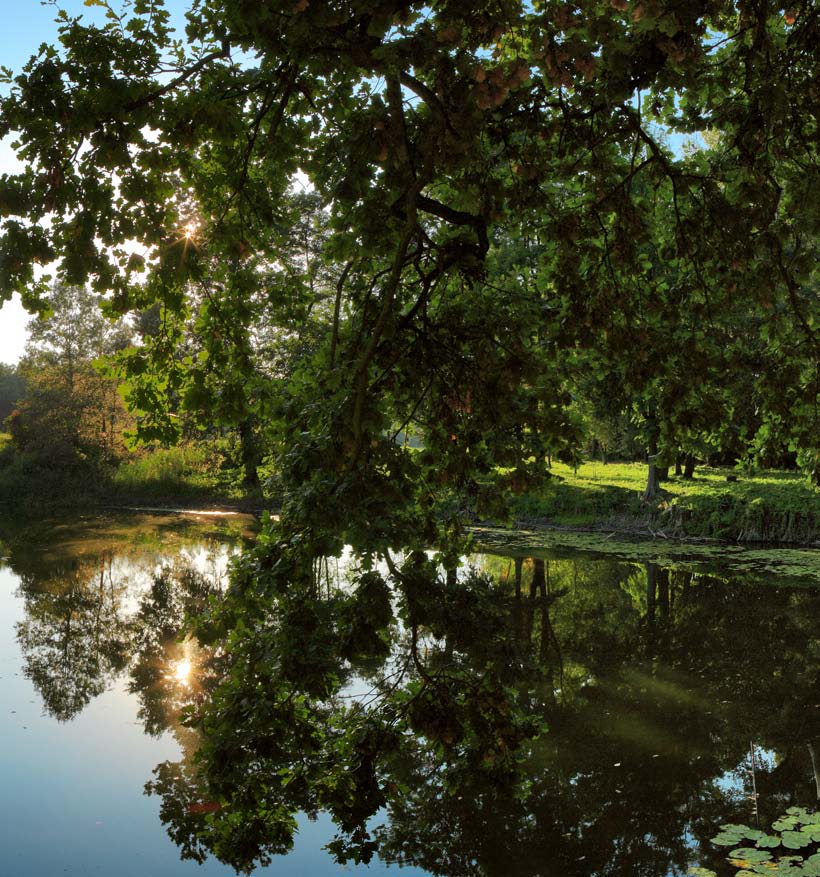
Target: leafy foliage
[12,388]
[491,195]
[71,415]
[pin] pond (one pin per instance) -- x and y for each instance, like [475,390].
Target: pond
[573,712]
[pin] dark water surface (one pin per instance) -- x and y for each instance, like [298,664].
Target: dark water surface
[672,701]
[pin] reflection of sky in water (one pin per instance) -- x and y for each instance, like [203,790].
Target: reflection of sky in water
[740,782]
[135,577]
[71,794]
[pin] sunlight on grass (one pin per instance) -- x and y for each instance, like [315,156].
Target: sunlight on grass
[766,505]
[177,471]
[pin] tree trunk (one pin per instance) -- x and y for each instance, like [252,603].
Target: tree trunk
[678,467]
[530,618]
[518,614]
[662,473]
[814,769]
[651,590]
[651,480]
[251,457]
[539,577]
[689,468]
[651,633]
[652,452]
[663,593]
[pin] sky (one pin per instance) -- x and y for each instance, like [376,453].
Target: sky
[26,25]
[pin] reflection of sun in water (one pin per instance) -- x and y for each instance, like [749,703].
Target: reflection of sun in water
[182,671]
[182,667]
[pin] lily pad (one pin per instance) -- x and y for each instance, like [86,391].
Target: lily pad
[795,840]
[801,813]
[768,841]
[785,824]
[725,839]
[812,829]
[749,854]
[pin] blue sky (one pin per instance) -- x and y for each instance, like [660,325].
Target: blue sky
[26,25]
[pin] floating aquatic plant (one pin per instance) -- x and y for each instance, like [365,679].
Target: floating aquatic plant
[797,829]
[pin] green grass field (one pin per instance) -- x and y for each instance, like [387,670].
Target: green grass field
[766,506]
[183,472]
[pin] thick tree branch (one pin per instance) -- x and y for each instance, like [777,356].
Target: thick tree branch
[203,62]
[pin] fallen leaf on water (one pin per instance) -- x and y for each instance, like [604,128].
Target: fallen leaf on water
[205,807]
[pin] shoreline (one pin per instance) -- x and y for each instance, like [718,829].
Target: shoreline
[645,533]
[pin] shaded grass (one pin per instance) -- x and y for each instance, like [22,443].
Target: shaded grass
[177,476]
[31,488]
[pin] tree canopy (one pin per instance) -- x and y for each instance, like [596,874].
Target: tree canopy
[70,415]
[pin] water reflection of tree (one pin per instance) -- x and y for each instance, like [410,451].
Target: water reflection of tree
[593,801]
[160,653]
[74,638]
[572,717]
[81,629]
[548,717]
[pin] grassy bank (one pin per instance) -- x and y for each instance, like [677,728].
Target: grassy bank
[764,507]
[182,476]
[770,506]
